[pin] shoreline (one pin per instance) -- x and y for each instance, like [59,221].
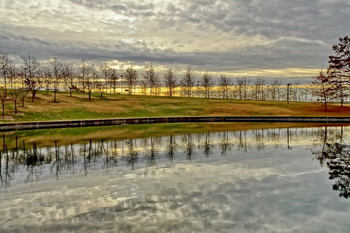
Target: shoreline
[151,120]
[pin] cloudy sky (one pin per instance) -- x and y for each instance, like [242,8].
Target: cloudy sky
[266,38]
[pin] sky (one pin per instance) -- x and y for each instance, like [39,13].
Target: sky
[253,38]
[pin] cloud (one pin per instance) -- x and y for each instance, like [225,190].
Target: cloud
[207,35]
[139,53]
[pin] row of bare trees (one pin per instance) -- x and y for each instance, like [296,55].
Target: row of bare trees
[32,75]
[54,75]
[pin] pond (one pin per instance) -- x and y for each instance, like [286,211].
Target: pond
[258,180]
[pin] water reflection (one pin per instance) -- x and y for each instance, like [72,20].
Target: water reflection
[230,181]
[27,162]
[336,155]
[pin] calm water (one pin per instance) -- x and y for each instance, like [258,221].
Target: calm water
[274,180]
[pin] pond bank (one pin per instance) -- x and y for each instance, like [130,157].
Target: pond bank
[127,121]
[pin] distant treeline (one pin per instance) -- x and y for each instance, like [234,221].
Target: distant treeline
[54,75]
[17,80]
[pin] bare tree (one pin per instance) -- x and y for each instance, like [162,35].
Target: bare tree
[12,74]
[151,78]
[47,78]
[170,81]
[339,68]
[143,85]
[68,77]
[188,81]
[105,70]
[3,99]
[16,95]
[95,77]
[158,87]
[5,62]
[130,76]
[32,74]
[242,85]
[89,78]
[113,77]
[86,75]
[275,89]
[7,71]
[325,91]
[22,95]
[100,87]
[263,92]
[224,84]
[56,70]
[258,91]
[207,83]
[84,72]
[101,79]
[295,91]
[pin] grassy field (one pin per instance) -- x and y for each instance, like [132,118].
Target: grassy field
[114,106]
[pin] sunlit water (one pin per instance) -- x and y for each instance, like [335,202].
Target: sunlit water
[274,180]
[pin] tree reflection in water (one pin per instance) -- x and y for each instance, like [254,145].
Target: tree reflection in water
[336,155]
[27,161]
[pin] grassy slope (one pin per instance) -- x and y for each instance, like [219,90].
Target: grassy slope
[113,106]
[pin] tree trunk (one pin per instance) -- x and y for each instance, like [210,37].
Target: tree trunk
[89,95]
[33,95]
[342,101]
[3,109]
[54,96]
[4,78]
[15,103]
[325,105]
[23,102]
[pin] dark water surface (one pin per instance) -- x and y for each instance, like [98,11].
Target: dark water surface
[273,180]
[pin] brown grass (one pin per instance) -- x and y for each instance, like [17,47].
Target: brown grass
[78,107]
